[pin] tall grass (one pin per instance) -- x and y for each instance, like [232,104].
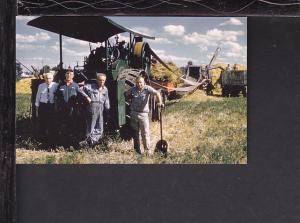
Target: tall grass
[199,129]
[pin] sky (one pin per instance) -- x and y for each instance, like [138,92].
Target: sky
[177,40]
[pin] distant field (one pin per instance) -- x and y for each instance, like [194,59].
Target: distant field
[199,129]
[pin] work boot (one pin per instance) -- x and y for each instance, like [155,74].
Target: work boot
[138,151]
[84,143]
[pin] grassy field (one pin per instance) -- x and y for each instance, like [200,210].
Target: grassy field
[200,129]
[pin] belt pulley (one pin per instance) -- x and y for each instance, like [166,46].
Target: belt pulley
[142,57]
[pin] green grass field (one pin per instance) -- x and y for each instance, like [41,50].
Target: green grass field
[200,129]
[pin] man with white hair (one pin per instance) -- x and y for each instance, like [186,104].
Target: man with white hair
[98,103]
[44,104]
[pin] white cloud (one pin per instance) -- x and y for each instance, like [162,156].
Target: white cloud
[166,57]
[40,59]
[234,51]
[209,55]
[37,62]
[161,40]
[68,51]
[76,42]
[26,59]
[212,37]
[175,30]
[25,46]
[234,46]
[196,38]
[232,21]
[54,48]
[221,35]
[176,58]
[203,48]
[231,52]
[222,60]
[159,52]
[42,36]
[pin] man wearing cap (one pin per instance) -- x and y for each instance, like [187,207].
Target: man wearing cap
[44,104]
[139,112]
[99,102]
[66,99]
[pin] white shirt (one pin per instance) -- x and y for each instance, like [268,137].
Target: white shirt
[42,93]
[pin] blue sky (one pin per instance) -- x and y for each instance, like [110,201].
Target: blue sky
[178,39]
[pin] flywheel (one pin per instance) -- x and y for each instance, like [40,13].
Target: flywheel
[142,56]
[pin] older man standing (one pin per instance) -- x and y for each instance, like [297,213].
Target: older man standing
[44,103]
[139,112]
[66,98]
[99,102]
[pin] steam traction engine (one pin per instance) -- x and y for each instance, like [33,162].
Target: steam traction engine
[122,62]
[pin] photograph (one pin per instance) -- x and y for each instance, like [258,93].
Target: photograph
[131,90]
[138,111]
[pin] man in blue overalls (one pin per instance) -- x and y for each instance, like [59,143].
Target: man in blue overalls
[66,99]
[98,102]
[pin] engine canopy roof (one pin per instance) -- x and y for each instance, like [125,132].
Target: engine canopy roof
[88,28]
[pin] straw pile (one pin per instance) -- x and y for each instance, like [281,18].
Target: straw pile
[160,73]
[23,86]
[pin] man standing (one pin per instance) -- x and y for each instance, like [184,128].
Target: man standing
[44,103]
[99,101]
[139,113]
[66,98]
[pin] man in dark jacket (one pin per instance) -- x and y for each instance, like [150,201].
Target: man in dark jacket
[66,99]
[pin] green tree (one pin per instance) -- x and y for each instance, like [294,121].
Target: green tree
[45,69]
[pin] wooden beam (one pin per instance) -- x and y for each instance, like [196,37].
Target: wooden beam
[7,111]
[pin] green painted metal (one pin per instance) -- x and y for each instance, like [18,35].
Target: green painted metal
[117,67]
[121,102]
